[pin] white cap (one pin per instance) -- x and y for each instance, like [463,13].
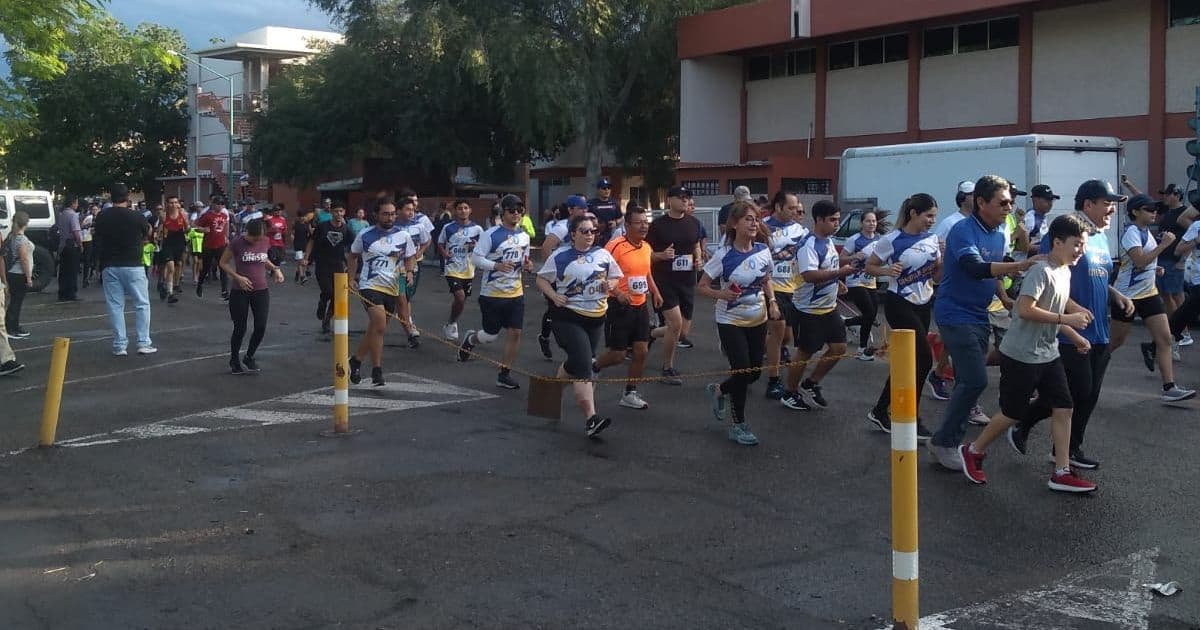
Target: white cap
[741,192]
[966,187]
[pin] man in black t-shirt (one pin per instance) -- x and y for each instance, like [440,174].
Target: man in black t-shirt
[1175,220]
[302,229]
[607,209]
[674,238]
[741,193]
[327,248]
[120,233]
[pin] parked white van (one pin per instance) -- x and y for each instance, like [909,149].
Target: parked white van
[39,205]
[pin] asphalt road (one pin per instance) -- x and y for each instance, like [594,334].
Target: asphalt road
[196,499]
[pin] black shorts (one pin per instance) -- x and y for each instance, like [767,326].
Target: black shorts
[787,308]
[676,293]
[811,331]
[275,255]
[459,284]
[1019,380]
[173,247]
[501,313]
[626,325]
[371,297]
[1145,308]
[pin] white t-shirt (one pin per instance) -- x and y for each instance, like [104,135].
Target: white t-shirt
[816,254]
[1134,282]
[942,229]
[383,254]
[582,277]
[918,255]
[1192,233]
[749,271]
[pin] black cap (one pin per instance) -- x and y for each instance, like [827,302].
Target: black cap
[1016,192]
[1141,200]
[511,201]
[1171,189]
[679,191]
[1043,191]
[1096,189]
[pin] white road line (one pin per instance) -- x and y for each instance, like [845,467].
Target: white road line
[264,416]
[70,319]
[76,342]
[326,401]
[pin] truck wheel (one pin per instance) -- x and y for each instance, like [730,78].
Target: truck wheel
[43,268]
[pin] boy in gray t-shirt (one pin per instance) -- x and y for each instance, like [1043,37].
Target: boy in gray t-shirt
[1029,358]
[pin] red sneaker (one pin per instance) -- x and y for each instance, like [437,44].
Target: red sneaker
[972,464]
[1069,482]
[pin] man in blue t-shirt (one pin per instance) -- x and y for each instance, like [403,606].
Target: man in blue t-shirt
[1095,204]
[975,248]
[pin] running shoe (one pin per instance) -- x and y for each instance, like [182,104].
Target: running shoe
[1175,352]
[1149,353]
[325,329]
[1186,339]
[146,350]
[881,418]
[377,376]
[776,390]
[414,341]
[235,367]
[814,394]
[11,367]
[596,424]
[505,380]
[923,434]
[1081,460]
[19,333]
[120,352]
[947,456]
[740,432]
[1018,439]
[465,348]
[1069,482]
[224,296]
[162,291]
[865,354]
[972,464]
[633,400]
[173,298]
[795,400]
[1177,393]
[670,377]
[977,417]
[199,289]
[450,331]
[355,367]
[719,402]
[544,345]
[251,364]
[938,388]
[684,342]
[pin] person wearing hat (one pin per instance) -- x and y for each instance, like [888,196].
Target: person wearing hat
[963,198]
[1038,221]
[1136,280]
[607,210]
[1176,220]
[674,238]
[741,193]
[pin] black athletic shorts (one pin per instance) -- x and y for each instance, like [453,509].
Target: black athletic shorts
[1019,381]
[275,255]
[501,313]
[811,331]
[459,284]
[787,308]
[173,247]
[371,297]
[626,325]
[1145,308]
[676,293]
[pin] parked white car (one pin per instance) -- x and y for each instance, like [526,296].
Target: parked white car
[39,205]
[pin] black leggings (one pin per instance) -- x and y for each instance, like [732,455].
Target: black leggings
[867,302]
[325,282]
[212,260]
[579,339]
[901,313]
[547,319]
[240,305]
[744,347]
[1185,316]
[16,297]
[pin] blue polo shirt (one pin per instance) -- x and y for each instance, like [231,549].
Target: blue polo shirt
[961,298]
[1089,284]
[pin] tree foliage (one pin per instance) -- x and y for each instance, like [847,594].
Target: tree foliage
[116,112]
[38,31]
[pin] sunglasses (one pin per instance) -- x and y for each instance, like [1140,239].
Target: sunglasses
[514,210]
[586,231]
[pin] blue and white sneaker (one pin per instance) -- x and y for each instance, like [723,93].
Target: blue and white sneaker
[740,432]
[719,401]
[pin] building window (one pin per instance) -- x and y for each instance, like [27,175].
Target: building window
[841,56]
[939,41]
[702,187]
[638,194]
[757,185]
[1004,33]
[895,48]
[778,65]
[972,37]
[976,36]
[807,185]
[802,62]
[870,51]
[1184,12]
[758,68]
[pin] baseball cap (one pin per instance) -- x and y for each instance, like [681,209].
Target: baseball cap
[603,183]
[1043,191]
[679,191]
[576,201]
[1016,192]
[966,187]
[1097,189]
[741,192]
[1140,200]
[511,201]
[1171,189]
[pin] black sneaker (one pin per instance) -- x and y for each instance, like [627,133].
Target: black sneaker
[19,333]
[544,344]
[505,380]
[1149,353]
[377,376]
[923,434]
[11,367]
[1079,460]
[162,291]
[251,364]
[684,342]
[200,289]
[1018,438]
[814,394]
[795,400]
[670,377]
[465,348]
[881,418]
[225,296]
[355,374]
[235,367]
[596,424]
[173,298]
[414,342]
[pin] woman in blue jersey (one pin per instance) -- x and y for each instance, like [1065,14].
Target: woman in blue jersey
[860,285]
[577,279]
[745,301]
[910,255]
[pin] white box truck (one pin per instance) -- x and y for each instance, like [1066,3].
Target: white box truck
[885,176]
[39,205]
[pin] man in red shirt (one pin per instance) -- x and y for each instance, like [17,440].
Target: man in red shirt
[277,227]
[214,223]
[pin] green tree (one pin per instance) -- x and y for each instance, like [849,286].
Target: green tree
[117,112]
[38,30]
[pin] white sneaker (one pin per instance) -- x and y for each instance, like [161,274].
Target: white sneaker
[121,353]
[450,331]
[865,354]
[1186,340]
[1175,351]
[949,457]
[1177,393]
[633,401]
[146,350]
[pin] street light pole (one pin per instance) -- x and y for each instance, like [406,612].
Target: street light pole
[229,164]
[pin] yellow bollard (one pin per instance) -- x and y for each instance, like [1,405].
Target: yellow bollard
[341,354]
[903,365]
[54,387]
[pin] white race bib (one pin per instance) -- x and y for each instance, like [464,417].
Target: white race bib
[638,285]
[783,269]
[682,263]
[512,256]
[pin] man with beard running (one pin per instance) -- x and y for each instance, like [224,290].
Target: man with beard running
[388,257]
[327,249]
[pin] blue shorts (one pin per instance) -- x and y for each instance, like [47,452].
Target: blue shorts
[1171,281]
